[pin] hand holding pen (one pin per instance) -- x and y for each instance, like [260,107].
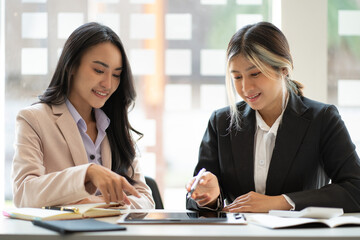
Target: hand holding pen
[196,182]
[203,188]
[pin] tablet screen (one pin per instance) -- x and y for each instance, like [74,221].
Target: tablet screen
[188,217]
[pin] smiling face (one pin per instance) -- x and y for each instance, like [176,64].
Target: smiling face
[260,92]
[96,78]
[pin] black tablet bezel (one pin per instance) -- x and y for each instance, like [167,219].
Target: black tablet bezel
[175,217]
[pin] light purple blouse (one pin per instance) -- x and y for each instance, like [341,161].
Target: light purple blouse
[93,150]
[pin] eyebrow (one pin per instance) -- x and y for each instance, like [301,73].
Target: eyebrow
[107,66]
[248,69]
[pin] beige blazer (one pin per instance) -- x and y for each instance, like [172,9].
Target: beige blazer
[50,160]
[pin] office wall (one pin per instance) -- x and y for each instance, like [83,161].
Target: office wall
[305,25]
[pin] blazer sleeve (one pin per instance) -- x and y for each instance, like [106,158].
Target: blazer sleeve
[32,185]
[340,162]
[146,200]
[208,159]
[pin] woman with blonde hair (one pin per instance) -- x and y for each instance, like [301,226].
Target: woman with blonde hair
[276,149]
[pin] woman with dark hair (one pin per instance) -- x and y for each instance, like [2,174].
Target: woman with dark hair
[276,149]
[75,145]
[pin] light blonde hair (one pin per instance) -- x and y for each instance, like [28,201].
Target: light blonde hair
[265,46]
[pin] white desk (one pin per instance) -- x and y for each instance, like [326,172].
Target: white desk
[19,229]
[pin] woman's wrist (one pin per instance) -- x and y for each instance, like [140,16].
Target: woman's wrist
[214,203]
[283,203]
[88,174]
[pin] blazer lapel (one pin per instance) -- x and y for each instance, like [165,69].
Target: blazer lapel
[289,137]
[71,133]
[242,144]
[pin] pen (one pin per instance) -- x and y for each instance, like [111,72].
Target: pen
[196,182]
[67,209]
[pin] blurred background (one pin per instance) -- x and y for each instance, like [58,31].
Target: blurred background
[176,50]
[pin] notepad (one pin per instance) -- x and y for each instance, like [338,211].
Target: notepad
[83,211]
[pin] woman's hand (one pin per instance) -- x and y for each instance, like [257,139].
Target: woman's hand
[111,185]
[207,191]
[256,202]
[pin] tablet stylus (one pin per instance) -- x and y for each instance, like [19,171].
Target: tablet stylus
[196,182]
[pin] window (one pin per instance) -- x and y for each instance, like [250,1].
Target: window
[344,62]
[177,52]
[2,101]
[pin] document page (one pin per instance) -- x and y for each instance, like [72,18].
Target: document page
[281,222]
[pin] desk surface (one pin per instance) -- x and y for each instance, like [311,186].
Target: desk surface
[20,229]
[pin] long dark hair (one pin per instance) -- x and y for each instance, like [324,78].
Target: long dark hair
[116,107]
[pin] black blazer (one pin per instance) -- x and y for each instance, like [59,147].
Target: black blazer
[312,147]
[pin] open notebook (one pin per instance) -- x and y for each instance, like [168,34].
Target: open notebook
[73,212]
[310,216]
[282,222]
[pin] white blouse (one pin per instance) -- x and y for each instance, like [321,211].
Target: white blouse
[264,141]
[265,137]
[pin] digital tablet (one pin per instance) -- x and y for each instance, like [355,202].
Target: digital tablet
[181,217]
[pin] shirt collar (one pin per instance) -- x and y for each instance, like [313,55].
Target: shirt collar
[77,117]
[102,121]
[261,124]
